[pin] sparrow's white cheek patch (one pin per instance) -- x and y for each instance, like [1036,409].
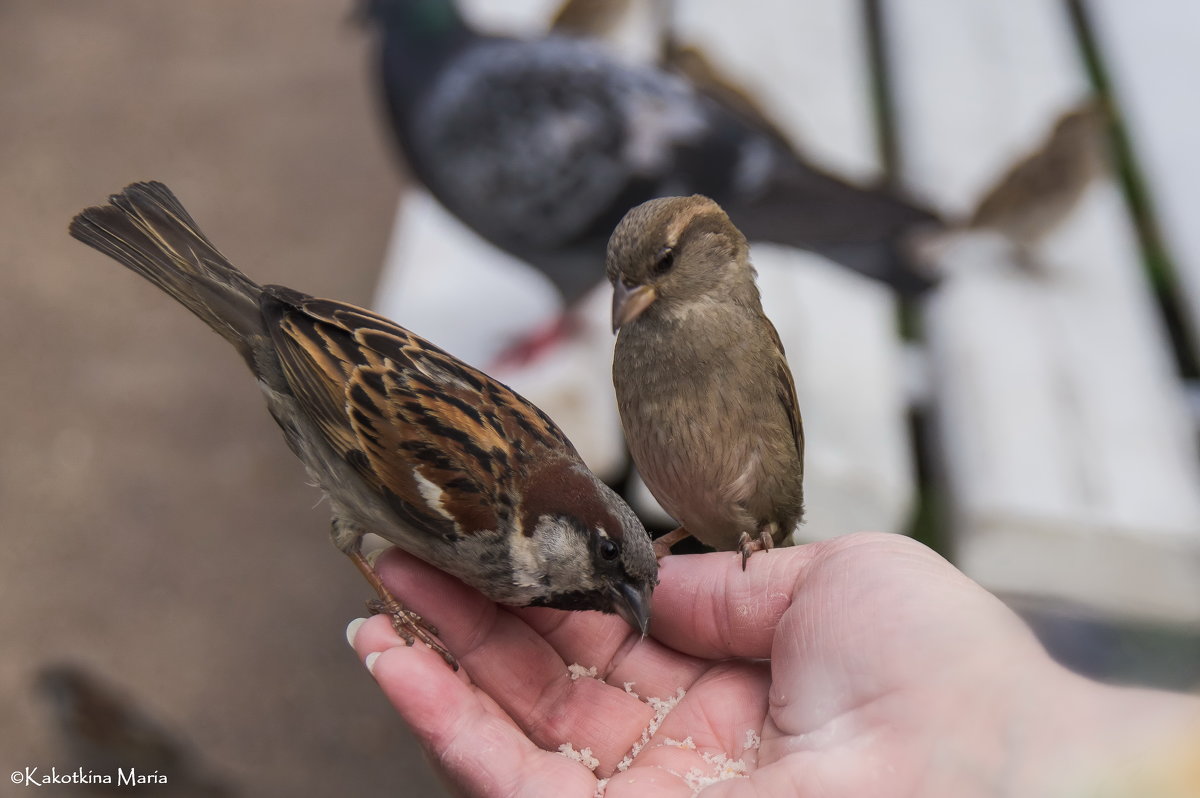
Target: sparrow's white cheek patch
[545,557]
[525,562]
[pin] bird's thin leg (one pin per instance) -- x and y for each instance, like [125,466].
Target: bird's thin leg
[531,347]
[662,545]
[408,624]
[764,541]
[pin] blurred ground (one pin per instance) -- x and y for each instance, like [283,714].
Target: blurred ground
[155,527]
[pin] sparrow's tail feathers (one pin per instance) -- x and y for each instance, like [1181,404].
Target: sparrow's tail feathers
[146,229]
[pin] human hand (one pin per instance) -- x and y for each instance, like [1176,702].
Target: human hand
[889,674]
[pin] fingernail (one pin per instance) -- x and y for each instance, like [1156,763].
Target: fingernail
[370,661]
[352,630]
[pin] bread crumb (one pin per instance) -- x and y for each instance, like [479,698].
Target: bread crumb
[753,741]
[629,689]
[724,769]
[601,786]
[577,671]
[687,743]
[583,756]
[662,707]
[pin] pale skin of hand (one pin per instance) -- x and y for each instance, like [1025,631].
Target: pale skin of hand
[890,674]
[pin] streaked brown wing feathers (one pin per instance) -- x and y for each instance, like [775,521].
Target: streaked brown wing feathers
[433,432]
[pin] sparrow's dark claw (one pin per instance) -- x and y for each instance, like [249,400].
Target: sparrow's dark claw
[748,545]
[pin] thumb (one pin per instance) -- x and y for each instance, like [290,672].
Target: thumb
[707,606]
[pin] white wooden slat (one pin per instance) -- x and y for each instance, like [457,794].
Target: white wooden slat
[806,63]
[444,282]
[977,84]
[1151,55]
[511,17]
[839,331]
[1071,465]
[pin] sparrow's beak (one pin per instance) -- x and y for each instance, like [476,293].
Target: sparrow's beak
[629,303]
[633,605]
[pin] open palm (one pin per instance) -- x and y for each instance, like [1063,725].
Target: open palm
[849,660]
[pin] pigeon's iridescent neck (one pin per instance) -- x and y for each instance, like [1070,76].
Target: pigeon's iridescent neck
[419,38]
[417,20]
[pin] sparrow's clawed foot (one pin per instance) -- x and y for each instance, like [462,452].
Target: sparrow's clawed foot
[747,545]
[410,626]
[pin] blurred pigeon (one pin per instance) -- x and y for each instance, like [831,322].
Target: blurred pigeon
[542,146]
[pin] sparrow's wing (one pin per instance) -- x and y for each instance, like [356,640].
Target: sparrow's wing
[434,436]
[785,389]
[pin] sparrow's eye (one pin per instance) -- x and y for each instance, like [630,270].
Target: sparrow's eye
[666,260]
[609,548]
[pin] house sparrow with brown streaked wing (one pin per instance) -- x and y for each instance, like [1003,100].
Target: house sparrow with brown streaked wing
[706,397]
[407,441]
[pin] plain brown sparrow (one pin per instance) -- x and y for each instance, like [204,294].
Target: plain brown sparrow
[705,393]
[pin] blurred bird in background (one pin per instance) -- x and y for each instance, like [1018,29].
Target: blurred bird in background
[1040,190]
[542,145]
[1035,194]
[101,730]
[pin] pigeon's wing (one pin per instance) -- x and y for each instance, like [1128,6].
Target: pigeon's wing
[534,143]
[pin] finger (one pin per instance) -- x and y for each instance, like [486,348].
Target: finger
[667,781]
[510,662]
[376,635]
[480,751]
[621,657]
[705,605]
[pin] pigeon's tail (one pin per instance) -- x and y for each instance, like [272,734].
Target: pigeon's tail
[863,228]
[816,208]
[146,229]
